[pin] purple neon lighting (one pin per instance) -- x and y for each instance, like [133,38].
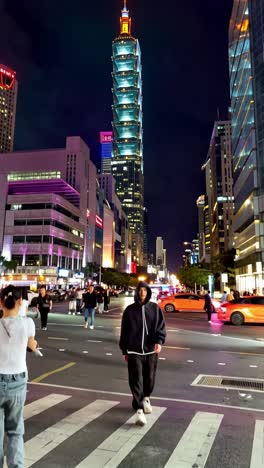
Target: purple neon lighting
[57,186]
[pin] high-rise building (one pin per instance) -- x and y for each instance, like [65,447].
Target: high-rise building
[127,156]
[219,189]
[8,100]
[145,249]
[159,251]
[201,227]
[106,151]
[246,63]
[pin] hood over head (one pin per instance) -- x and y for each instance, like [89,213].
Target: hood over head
[143,284]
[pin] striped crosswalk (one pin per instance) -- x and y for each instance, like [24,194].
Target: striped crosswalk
[192,442]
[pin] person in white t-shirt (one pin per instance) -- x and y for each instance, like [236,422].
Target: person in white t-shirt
[16,334]
[23,309]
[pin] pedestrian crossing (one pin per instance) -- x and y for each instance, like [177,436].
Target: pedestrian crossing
[102,434]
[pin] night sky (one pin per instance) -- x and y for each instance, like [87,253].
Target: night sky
[61,51]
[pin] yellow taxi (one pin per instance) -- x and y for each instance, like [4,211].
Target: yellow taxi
[247,309]
[185,302]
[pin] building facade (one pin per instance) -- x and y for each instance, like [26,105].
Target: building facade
[122,237]
[48,209]
[106,151]
[219,189]
[246,63]
[127,156]
[200,203]
[8,100]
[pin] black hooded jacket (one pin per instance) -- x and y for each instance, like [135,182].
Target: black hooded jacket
[143,326]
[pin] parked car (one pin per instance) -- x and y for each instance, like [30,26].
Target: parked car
[185,302]
[247,309]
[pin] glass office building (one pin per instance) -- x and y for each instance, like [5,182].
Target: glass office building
[127,155]
[246,37]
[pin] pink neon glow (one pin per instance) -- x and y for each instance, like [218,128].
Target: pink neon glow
[6,73]
[98,221]
[106,137]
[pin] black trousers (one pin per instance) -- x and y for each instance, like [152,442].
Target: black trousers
[141,375]
[44,317]
[209,313]
[78,305]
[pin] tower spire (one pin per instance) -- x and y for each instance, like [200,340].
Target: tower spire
[125,20]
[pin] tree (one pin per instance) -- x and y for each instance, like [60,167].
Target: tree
[192,275]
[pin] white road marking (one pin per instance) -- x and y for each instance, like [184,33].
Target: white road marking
[100,326]
[189,360]
[57,338]
[94,341]
[174,330]
[173,400]
[42,444]
[42,404]
[108,354]
[162,358]
[85,352]
[221,364]
[61,349]
[118,445]
[257,455]
[196,442]
[253,365]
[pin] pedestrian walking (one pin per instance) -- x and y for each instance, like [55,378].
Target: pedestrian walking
[23,308]
[230,296]
[208,306]
[100,301]
[89,304]
[142,336]
[16,333]
[44,304]
[79,296]
[224,296]
[73,302]
[106,299]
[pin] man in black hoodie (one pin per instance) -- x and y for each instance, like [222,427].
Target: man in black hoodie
[142,335]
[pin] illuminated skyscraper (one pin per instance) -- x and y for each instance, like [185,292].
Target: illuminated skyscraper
[106,151]
[127,157]
[246,61]
[8,99]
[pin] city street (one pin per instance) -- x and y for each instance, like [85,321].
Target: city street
[79,399]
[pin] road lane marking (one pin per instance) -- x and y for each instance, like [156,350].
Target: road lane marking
[118,445]
[238,352]
[221,364]
[55,371]
[42,404]
[42,444]
[57,338]
[252,365]
[257,454]
[173,400]
[190,360]
[176,347]
[94,341]
[173,330]
[196,442]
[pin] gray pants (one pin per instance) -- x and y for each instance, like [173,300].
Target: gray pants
[12,399]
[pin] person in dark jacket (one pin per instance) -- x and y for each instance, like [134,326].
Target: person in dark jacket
[208,306]
[89,304]
[143,333]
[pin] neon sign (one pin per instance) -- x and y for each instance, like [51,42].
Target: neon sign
[99,222]
[7,77]
[106,137]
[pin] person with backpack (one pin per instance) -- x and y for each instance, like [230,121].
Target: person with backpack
[16,334]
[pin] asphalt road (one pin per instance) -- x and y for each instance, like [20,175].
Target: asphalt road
[87,423]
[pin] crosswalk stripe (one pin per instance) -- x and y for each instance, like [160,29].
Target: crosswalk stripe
[196,442]
[116,447]
[48,440]
[257,456]
[42,404]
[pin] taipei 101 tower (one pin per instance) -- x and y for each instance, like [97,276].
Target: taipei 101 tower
[127,155]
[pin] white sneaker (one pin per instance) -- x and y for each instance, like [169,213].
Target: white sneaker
[147,406]
[73,313]
[209,321]
[91,327]
[140,418]
[78,313]
[69,313]
[86,325]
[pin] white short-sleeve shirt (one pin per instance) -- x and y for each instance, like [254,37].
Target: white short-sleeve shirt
[14,334]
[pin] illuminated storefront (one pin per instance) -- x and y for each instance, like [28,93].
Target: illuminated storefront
[127,157]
